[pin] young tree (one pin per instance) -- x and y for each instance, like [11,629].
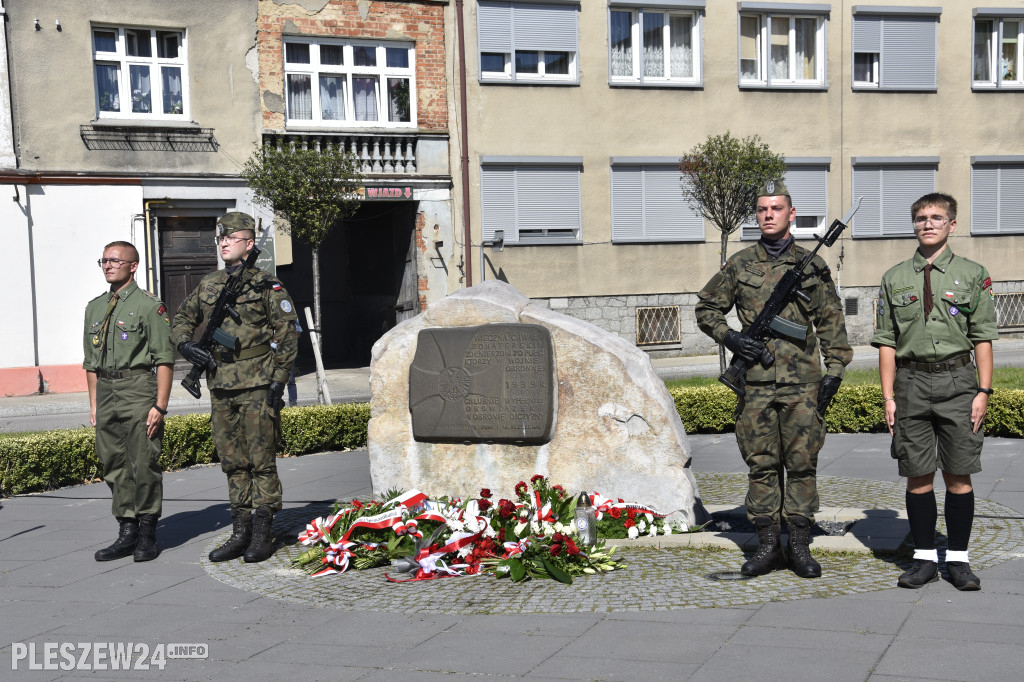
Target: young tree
[720,180]
[311,189]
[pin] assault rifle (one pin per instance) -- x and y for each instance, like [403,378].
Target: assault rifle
[224,307]
[768,323]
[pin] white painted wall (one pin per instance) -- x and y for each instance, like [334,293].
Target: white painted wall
[16,301]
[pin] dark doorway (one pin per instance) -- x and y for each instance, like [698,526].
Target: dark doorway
[363,264]
[187,254]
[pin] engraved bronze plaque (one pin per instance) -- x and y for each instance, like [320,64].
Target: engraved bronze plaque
[491,383]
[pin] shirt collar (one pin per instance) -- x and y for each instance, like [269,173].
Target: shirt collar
[940,263]
[128,290]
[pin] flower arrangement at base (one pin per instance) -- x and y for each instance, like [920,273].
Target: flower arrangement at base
[422,539]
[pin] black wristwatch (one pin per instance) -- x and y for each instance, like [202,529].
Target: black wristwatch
[986,391]
[161,411]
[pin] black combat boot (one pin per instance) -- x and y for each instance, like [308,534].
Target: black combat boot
[800,559]
[262,545]
[124,545]
[147,549]
[241,533]
[769,555]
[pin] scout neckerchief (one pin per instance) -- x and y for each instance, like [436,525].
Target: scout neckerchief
[101,335]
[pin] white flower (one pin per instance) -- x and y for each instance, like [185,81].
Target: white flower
[456,525]
[559,528]
[642,526]
[654,530]
[536,527]
[464,551]
[633,533]
[650,517]
[474,524]
[489,532]
[668,529]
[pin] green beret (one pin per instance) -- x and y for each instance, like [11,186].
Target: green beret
[233,221]
[773,188]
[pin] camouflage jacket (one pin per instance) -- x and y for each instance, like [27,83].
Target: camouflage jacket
[267,315]
[748,279]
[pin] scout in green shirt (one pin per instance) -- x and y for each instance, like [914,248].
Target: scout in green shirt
[128,361]
[933,311]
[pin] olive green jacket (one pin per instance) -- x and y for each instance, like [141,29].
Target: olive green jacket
[267,315]
[747,281]
[138,335]
[963,311]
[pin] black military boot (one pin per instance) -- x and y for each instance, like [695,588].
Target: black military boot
[124,545]
[769,555]
[262,545]
[800,559]
[146,549]
[241,534]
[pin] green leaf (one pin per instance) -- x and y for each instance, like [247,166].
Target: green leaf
[555,572]
[516,570]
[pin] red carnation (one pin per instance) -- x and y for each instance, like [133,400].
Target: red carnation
[506,508]
[631,513]
[484,505]
[629,523]
[560,490]
[521,488]
[615,512]
[572,549]
[357,504]
[485,493]
[558,537]
[556,549]
[535,478]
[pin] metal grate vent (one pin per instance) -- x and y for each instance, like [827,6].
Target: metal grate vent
[1009,310]
[851,306]
[657,325]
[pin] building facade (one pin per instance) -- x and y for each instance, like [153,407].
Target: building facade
[580,112]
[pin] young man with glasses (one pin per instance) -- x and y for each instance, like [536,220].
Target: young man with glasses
[128,361]
[933,311]
[246,385]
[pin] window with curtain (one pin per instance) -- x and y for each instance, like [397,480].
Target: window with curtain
[528,42]
[648,203]
[332,82]
[781,50]
[139,72]
[532,200]
[895,48]
[997,195]
[650,47]
[998,50]
[807,181]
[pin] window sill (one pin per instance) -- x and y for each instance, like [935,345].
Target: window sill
[991,87]
[876,88]
[695,85]
[812,87]
[545,83]
[144,123]
[654,242]
[349,127]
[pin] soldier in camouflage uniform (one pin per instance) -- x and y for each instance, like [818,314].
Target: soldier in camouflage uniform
[780,421]
[246,386]
[128,360]
[933,310]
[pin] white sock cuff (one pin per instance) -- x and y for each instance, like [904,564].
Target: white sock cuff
[957,556]
[927,555]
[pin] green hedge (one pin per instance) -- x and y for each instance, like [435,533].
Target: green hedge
[68,456]
[65,457]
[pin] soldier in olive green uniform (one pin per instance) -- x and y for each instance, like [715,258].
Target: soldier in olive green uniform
[246,386]
[933,310]
[128,360]
[780,425]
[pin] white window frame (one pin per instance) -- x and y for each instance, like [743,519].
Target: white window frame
[510,44]
[633,216]
[997,195]
[889,186]
[124,63]
[348,71]
[512,200]
[668,10]
[814,172]
[888,71]
[997,17]
[767,16]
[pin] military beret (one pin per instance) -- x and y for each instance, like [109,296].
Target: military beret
[233,221]
[773,188]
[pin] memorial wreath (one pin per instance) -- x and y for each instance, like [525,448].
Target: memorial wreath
[423,538]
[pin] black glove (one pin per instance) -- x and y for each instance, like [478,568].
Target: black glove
[194,353]
[274,393]
[748,348]
[827,388]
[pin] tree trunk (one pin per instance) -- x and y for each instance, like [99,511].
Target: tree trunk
[315,251]
[721,349]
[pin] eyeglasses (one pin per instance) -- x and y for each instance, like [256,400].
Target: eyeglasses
[934,222]
[116,262]
[225,239]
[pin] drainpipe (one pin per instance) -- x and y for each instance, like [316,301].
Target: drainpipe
[150,255]
[464,159]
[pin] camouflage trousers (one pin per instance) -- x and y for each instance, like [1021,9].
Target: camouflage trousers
[130,458]
[779,433]
[245,432]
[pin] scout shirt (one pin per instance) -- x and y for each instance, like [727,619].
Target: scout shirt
[963,311]
[138,334]
[266,313]
[747,281]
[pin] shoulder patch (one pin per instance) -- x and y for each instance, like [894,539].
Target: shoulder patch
[986,284]
[161,310]
[286,305]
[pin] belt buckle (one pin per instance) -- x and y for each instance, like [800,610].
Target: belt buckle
[938,366]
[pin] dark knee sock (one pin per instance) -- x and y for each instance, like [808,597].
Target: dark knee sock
[922,512]
[959,519]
